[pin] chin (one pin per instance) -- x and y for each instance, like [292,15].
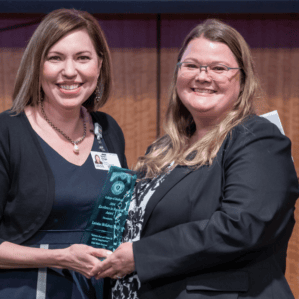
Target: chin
[202,109]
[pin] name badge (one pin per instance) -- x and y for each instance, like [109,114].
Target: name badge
[104,161]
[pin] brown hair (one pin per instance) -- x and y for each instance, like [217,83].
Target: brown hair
[179,124]
[56,25]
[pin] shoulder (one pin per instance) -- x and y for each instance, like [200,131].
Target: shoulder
[256,137]
[16,134]
[106,121]
[255,124]
[257,128]
[10,123]
[7,117]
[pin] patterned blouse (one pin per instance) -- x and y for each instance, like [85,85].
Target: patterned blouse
[127,287]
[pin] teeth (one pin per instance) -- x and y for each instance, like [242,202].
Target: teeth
[203,90]
[69,87]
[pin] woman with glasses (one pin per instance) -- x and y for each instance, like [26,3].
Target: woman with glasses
[212,211]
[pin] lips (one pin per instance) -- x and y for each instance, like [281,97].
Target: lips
[203,90]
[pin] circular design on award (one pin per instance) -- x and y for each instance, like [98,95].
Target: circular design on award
[118,187]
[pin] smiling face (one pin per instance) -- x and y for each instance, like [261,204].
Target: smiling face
[71,70]
[203,97]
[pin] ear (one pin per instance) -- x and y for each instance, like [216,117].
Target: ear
[100,62]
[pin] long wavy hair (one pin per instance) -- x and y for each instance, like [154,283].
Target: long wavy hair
[56,25]
[179,125]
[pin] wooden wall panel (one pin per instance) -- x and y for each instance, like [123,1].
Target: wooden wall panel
[279,77]
[133,103]
[9,63]
[168,61]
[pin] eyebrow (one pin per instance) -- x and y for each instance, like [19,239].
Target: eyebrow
[79,53]
[195,60]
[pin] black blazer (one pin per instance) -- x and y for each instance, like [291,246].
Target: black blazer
[27,187]
[222,231]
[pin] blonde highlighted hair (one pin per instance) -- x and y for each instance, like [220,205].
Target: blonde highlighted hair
[56,25]
[179,125]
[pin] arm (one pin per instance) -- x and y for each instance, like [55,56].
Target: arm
[80,258]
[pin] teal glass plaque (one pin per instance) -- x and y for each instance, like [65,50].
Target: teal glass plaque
[106,224]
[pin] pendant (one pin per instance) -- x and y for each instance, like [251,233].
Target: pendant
[76,149]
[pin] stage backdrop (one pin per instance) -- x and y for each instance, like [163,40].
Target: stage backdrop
[144,50]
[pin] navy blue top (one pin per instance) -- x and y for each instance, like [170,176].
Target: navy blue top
[76,190]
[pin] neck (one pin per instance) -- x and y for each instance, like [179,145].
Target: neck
[202,128]
[198,134]
[62,116]
[204,124]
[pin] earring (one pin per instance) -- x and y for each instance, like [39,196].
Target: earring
[98,94]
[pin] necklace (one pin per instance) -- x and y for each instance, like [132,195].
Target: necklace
[75,143]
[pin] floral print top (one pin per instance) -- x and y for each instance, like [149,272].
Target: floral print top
[127,287]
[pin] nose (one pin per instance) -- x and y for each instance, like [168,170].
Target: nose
[69,69]
[202,74]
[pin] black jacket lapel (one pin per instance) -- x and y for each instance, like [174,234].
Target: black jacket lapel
[172,179]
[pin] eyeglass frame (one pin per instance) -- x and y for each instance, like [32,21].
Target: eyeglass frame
[179,64]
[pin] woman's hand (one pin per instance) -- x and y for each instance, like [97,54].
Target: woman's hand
[119,263]
[83,259]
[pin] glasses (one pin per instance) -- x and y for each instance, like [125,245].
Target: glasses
[216,71]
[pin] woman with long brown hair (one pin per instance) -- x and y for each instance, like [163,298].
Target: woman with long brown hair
[212,212]
[48,180]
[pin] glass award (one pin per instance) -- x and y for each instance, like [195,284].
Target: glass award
[106,224]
